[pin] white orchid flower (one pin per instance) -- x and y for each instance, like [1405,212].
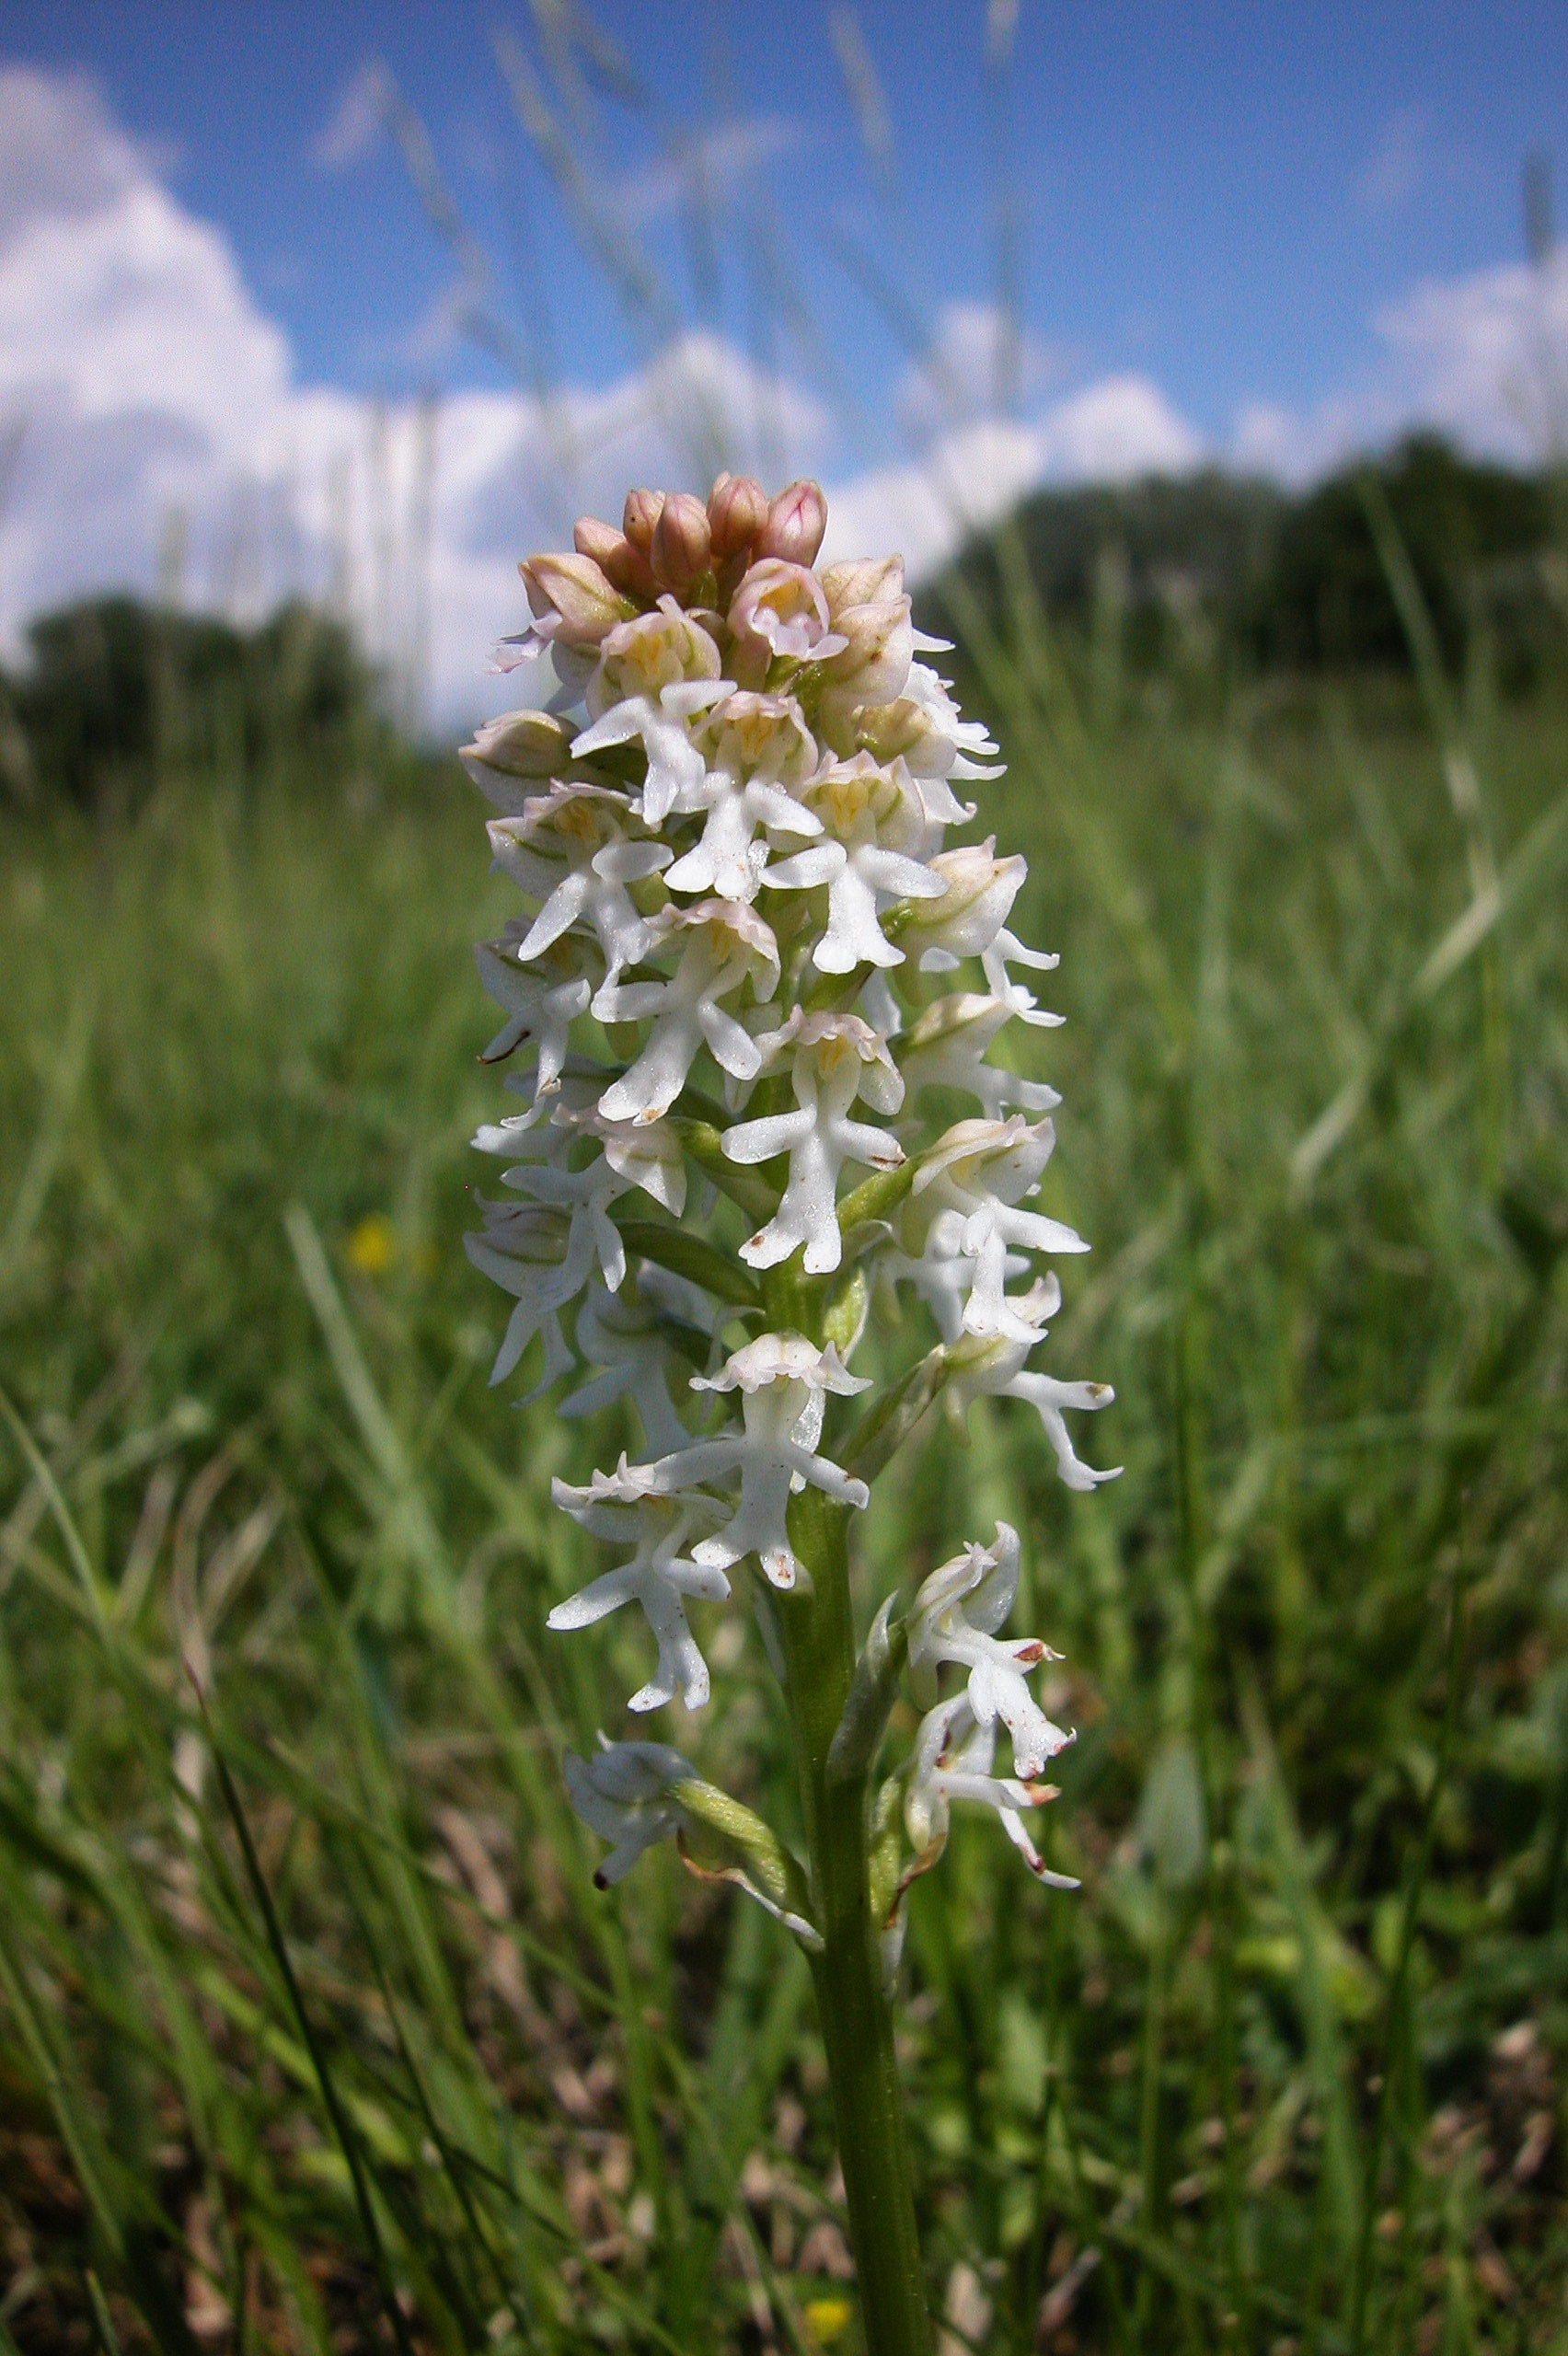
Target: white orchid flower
[623,1794]
[877,827]
[782,1380]
[759,752]
[955,1617]
[952,1761]
[980,1171]
[543,1260]
[779,609]
[574,607]
[944,1276]
[541,1001]
[871,669]
[657,1575]
[834,1058]
[570,849]
[727,945]
[978,891]
[629,1342]
[946,1048]
[974,754]
[652,675]
[996,1369]
[647,1157]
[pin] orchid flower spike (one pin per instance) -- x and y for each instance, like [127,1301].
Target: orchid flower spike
[738,835]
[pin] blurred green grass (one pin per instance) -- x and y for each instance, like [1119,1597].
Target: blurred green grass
[316,2034]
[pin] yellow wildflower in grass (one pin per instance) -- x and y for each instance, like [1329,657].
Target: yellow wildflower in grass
[372,1247]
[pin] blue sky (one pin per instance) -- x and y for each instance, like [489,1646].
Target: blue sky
[1221,195]
[1261,233]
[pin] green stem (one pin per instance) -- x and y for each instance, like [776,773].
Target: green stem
[818,1635]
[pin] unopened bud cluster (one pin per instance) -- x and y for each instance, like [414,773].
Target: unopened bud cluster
[730,830]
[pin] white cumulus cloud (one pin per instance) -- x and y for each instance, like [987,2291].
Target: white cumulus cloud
[1109,432]
[1486,356]
[1483,358]
[1116,430]
[158,403]
[159,406]
[980,360]
[927,507]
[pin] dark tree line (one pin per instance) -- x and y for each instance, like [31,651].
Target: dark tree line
[1296,584]
[117,693]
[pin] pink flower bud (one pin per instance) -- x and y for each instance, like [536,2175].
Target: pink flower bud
[796,521]
[616,558]
[590,537]
[570,600]
[522,743]
[642,512]
[737,509]
[681,542]
[864,581]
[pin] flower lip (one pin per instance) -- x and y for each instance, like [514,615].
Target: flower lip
[783,1358]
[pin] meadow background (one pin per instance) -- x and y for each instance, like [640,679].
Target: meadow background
[316,2034]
